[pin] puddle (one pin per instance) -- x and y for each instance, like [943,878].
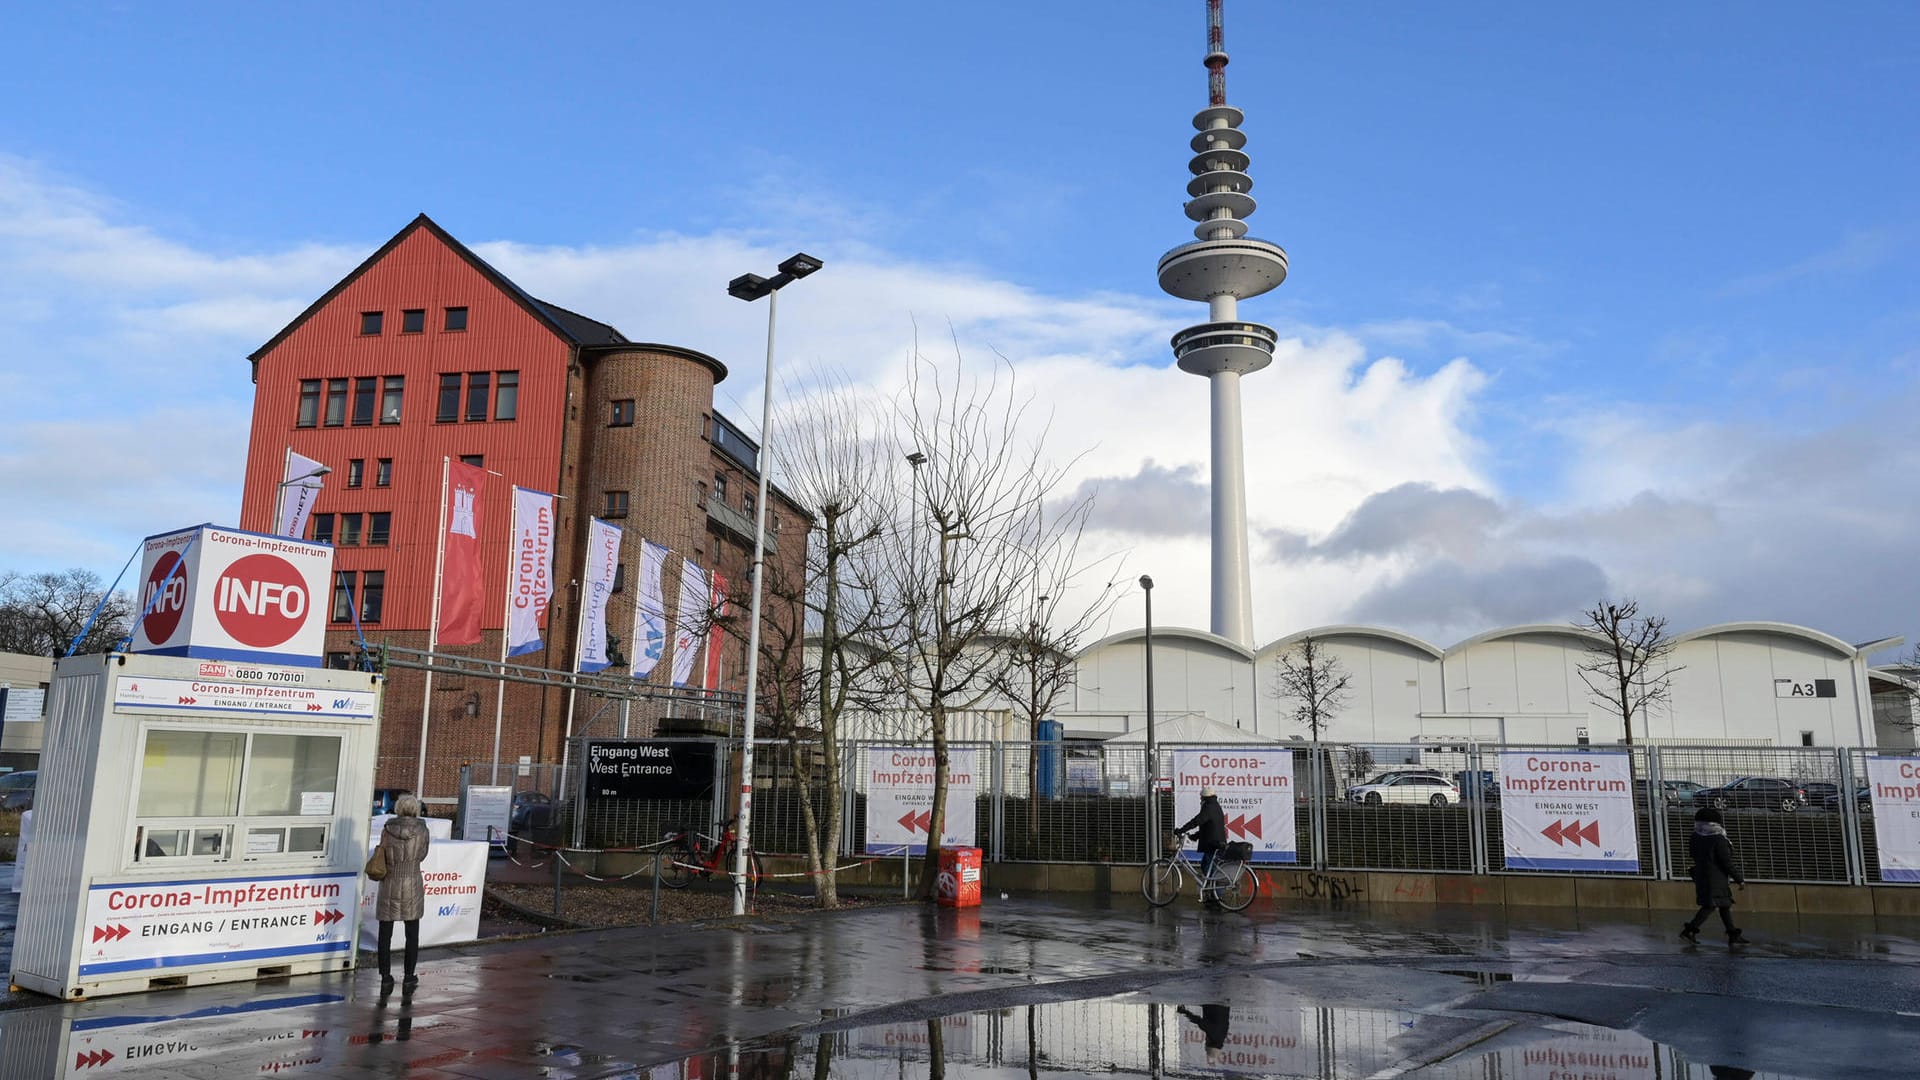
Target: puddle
[1267,1036]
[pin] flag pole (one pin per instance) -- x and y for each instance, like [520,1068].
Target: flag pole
[506,621]
[280,490]
[573,684]
[433,627]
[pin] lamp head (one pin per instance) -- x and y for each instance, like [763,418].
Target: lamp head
[799,265]
[1146,582]
[749,287]
[916,459]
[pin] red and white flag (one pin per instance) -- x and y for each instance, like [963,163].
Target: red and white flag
[715,640]
[531,574]
[690,621]
[299,489]
[461,589]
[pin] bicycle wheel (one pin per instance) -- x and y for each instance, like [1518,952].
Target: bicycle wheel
[754,869]
[1160,882]
[1239,887]
[676,860]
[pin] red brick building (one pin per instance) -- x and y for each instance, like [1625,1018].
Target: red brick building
[425,352]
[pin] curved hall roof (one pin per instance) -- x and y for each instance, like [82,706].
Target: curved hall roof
[1355,630]
[1803,633]
[1183,632]
[1561,629]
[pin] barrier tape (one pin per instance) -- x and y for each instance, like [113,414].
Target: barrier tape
[561,853]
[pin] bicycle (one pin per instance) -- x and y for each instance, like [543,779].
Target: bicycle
[686,856]
[1231,881]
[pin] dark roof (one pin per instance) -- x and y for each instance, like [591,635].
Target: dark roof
[575,329]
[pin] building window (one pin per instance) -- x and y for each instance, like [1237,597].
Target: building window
[1806,738]
[379,526]
[349,530]
[390,395]
[323,528]
[616,504]
[383,473]
[356,472]
[478,461]
[506,398]
[340,661]
[370,322]
[413,320]
[343,596]
[336,402]
[720,487]
[309,415]
[619,577]
[456,318]
[622,413]
[373,595]
[477,395]
[746,502]
[364,392]
[449,410]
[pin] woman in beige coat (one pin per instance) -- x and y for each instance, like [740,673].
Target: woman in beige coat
[403,892]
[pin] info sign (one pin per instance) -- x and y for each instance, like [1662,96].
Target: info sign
[1569,810]
[455,875]
[136,925]
[1256,791]
[900,799]
[649,769]
[140,693]
[1895,784]
[223,594]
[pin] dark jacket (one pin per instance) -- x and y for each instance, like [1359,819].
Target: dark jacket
[403,892]
[1214,1021]
[1212,823]
[1713,866]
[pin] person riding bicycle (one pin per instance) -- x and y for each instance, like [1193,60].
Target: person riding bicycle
[1209,827]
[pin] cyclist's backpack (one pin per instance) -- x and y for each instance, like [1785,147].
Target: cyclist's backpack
[1238,851]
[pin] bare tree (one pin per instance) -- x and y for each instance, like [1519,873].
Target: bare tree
[830,458]
[1315,681]
[1627,666]
[980,478]
[41,614]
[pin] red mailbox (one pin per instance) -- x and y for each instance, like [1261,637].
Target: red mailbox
[959,882]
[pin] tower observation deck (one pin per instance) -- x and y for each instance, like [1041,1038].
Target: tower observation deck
[1221,268]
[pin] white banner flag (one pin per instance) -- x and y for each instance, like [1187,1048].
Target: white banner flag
[649,612]
[900,799]
[690,621]
[532,583]
[603,556]
[1895,784]
[300,489]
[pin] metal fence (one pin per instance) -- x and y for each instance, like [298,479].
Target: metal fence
[1793,814]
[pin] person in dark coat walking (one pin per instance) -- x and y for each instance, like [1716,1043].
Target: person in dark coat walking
[1209,827]
[1215,1023]
[403,892]
[1714,875]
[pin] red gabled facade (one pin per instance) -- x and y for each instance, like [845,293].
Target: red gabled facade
[418,271]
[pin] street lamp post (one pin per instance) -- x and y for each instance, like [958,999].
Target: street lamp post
[1153,750]
[752,287]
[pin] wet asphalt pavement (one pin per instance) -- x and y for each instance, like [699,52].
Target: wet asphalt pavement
[1056,987]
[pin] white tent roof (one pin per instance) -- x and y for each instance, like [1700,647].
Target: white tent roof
[1189,728]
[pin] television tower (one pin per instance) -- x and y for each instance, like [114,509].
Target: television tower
[1221,268]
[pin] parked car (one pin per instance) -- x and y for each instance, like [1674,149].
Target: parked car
[531,810]
[1414,788]
[1756,793]
[1862,798]
[1818,791]
[16,790]
[1682,792]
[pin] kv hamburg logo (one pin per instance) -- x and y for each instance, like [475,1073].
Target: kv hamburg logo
[164,611]
[261,600]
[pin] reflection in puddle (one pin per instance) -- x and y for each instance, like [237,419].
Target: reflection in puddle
[1271,1035]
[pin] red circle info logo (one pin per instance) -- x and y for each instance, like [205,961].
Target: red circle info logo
[261,600]
[163,614]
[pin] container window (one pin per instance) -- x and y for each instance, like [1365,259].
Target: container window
[191,774]
[292,775]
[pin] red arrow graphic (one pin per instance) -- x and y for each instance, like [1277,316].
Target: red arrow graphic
[1591,832]
[186,700]
[922,822]
[1552,832]
[110,933]
[91,1058]
[1245,826]
[313,708]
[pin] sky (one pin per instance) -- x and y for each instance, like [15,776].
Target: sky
[1583,302]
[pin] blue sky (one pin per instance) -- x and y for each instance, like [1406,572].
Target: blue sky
[1639,280]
